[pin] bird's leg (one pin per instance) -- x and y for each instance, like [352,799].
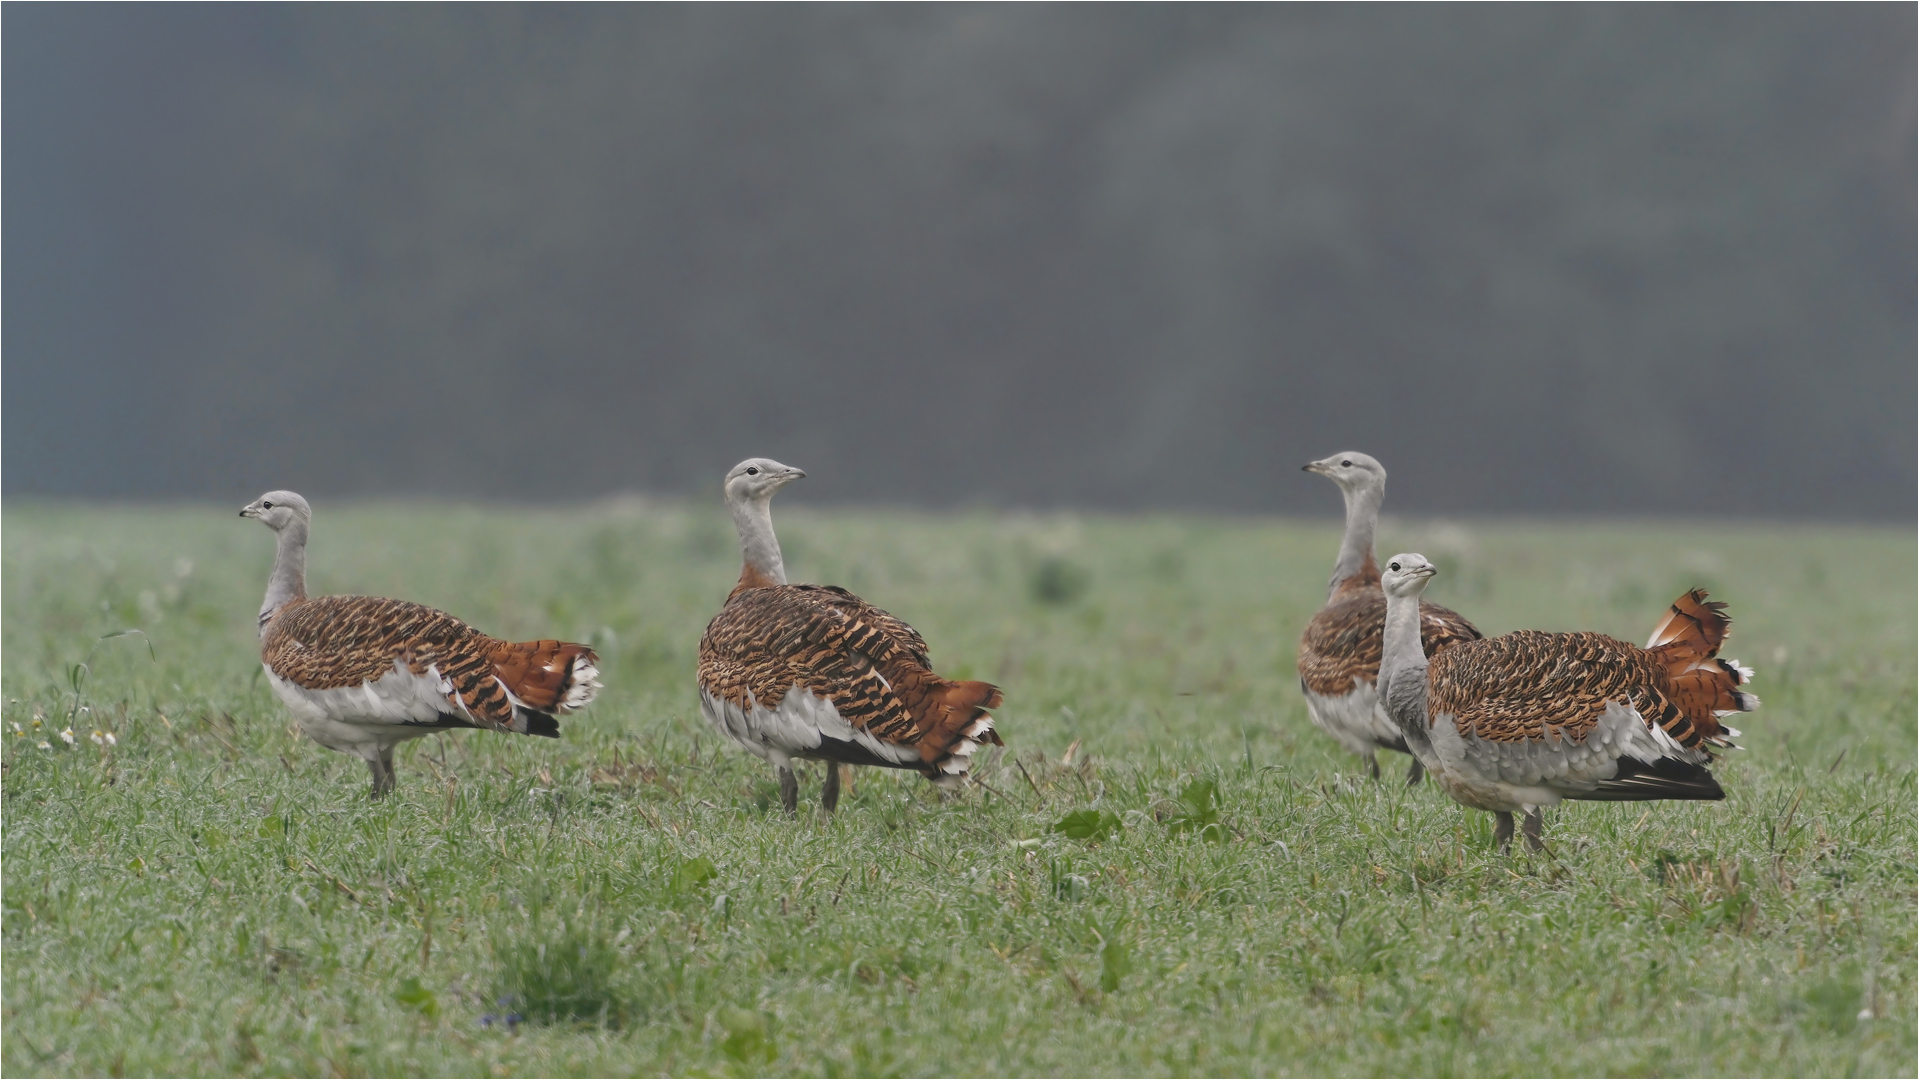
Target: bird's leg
[1372,763]
[1503,831]
[1415,773]
[830,795]
[1535,824]
[789,790]
[382,769]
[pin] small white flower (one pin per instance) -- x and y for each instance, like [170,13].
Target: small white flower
[67,737]
[111,741]
[101,738]
[17,730]
[45,745]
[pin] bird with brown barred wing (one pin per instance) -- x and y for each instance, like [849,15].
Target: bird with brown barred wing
[812,672]
[362,674]
[1522,721]
[1339,651]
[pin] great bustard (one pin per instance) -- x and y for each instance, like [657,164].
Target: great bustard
[1339,652]
[1518,722]
[814,672]
[362,675]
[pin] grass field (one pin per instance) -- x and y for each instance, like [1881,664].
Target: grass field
[212,895]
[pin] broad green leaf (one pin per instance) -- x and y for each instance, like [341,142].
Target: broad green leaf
[1089,825]
[417,997]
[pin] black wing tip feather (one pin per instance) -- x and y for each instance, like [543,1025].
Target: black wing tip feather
[537,723]
[852,753]
[1667,778]
[443,722]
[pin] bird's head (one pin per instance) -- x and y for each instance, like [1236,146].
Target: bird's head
[278,509]
[759,478]
[1352,471]
[1406,575]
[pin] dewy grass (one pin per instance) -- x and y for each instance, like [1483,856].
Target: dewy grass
[1167,870]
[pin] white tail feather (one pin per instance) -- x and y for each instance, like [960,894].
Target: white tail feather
[584,687]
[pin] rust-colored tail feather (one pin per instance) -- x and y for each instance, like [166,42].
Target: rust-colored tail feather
[1705,687]
[1713,688]
[952,714]
[548,676]
[1691,626]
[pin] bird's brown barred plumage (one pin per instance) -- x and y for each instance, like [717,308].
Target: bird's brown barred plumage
[1341,646]
[1524,684]
[335,641]
[872,666]
[1528,683]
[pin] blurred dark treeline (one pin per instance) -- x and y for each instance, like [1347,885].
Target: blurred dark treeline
[1559,259]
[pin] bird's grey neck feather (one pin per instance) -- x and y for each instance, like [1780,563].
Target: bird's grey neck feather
[289,578]
[1402,669]
[758,546]
[1362,520]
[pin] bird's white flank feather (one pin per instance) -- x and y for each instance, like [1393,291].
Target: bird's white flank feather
[1357,720]
[377,714]
[794,728]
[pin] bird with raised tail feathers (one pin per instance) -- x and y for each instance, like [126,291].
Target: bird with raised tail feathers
[813,672]
[362,675]
[1339,652]
[1521,721]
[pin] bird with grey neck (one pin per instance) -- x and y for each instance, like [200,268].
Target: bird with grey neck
[363,674]
[1519,722]
[1339,650]
[812,672]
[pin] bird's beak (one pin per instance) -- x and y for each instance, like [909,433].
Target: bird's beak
[1314,466]
[1427,571]
[248,511]
[795,474]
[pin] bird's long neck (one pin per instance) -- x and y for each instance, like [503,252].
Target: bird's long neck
[1402,669]
[1400,647]
[289,578]
[1355,565]
[759,548]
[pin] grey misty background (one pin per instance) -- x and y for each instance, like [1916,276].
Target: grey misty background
[1562,259]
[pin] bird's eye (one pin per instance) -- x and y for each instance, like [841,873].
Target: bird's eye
[1394,566]
[1347,464]
[753,471]
[266,506]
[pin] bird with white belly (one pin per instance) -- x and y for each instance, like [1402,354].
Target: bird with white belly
[812,672]
[1519,722]
[1339,651]
[363,674]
